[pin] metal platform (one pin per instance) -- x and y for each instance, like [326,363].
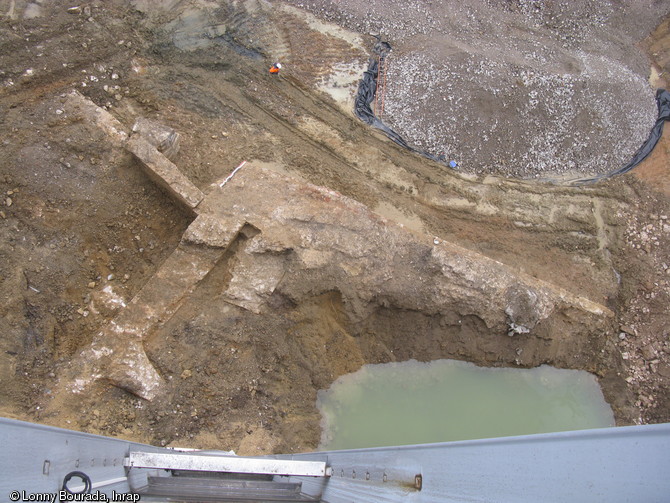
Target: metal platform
[216,477]
[613,465]
[197,489]
[204,462]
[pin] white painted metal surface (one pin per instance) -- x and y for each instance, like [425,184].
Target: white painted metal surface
[612,465]
[629,464]
[230,464]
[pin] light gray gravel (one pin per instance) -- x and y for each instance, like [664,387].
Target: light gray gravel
[537,88]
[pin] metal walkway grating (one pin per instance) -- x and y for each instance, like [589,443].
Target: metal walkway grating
[202,489]
[206,477]
[230,464]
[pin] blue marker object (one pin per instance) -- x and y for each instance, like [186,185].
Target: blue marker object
[453,164]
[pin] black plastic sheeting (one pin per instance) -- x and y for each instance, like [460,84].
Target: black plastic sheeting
[366,95]
[368,87]
[663,104]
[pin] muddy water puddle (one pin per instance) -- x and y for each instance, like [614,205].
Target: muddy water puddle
[446,400]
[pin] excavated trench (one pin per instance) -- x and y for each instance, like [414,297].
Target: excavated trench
[333,286]
[226,331]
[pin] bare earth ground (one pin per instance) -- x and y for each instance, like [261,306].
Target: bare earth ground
[84,229]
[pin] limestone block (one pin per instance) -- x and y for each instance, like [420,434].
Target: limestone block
[78,105]
[164,138]
[254,278]
[164,173]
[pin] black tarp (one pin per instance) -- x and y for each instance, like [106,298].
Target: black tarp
[663,104]
[366,95]
[368,87]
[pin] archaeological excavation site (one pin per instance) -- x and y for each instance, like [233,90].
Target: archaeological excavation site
[195,248]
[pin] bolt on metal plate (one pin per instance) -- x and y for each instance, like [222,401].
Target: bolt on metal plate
[418,482]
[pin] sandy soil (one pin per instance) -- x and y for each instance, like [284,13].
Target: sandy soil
[83,229]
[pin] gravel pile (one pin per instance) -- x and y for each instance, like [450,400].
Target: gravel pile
[528,89]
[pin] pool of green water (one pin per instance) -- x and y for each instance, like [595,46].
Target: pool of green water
[445,400]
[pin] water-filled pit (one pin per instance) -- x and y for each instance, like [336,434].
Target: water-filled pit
[446,400]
